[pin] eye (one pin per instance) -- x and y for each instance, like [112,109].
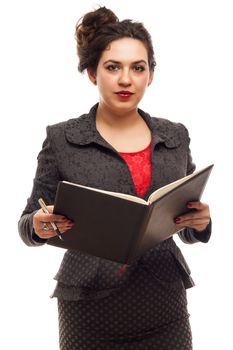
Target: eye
[138,68]
[113,67]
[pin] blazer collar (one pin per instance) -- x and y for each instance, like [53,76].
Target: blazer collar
[82,131]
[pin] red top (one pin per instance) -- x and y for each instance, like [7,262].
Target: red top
[139,164]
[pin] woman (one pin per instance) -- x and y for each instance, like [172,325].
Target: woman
[117,147]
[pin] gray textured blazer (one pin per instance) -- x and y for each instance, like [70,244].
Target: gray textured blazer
[76,152]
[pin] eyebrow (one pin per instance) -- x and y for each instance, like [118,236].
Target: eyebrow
[118,62]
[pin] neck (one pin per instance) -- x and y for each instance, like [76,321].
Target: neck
[116,119]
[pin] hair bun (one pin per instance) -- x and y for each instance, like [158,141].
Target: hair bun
[89,25]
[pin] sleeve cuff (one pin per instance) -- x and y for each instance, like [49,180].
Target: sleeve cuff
[37,238]
[190,235]
[203,236]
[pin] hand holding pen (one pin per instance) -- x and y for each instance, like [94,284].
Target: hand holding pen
[47,225]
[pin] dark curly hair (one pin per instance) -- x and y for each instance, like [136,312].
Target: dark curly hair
[97,29]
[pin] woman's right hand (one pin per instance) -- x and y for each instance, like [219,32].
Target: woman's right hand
[42,226]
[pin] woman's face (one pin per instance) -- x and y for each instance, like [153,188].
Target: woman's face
[122,74]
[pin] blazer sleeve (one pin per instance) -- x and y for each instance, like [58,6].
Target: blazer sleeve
[44,185]
[189,235]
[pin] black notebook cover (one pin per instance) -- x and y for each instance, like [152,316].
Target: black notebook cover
[119,229]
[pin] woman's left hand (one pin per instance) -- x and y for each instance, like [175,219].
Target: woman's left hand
[198,219]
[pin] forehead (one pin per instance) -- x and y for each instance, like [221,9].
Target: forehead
[125,49]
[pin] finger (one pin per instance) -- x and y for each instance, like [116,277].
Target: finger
[48,231]
[186,221]
[197,205]
[198,227]
[52,217]
[45,234]
[193,216]
[194,221]
[63,228]
[44,217]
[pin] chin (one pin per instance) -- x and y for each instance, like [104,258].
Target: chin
[124,105]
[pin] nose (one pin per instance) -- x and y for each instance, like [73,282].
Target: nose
[124,78]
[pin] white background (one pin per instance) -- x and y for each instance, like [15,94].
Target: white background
[40,85]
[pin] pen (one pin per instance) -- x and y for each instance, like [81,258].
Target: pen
[45,210]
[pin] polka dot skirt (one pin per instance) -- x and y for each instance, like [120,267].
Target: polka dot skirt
[148,312]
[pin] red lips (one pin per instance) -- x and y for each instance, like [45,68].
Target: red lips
[124,93]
